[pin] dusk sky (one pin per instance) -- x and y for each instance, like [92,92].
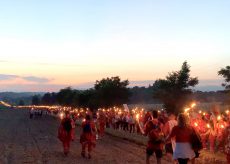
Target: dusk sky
[48,45]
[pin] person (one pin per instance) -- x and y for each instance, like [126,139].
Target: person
[31,113]
[182,133]
[167,129]
[155,143]
[88,136]
[102,123]
[131,124]
[65,131]
[226,136]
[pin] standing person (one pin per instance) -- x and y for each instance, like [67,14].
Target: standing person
[31,113]
[226,137]
[167,129]
[102,123]
[182,133]
[88,136]
[155,142]
[65,132]
[131,124]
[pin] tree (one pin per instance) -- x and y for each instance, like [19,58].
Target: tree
[68,97]
[112,91]
[174,91]
[49,99]
[21,103]
[36,100]
[225,72]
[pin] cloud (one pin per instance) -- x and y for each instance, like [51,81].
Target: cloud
[7,77]
[36,79]
[26,78]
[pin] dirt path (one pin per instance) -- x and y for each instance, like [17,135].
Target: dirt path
[24,140]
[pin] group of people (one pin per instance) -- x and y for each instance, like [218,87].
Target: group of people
[37,112]
[66,134]
[181,136]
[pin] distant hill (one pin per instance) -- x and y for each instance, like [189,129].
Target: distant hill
[14,98]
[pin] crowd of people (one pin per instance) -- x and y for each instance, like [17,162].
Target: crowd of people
[180,136]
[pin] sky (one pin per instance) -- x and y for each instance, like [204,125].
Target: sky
[48,45]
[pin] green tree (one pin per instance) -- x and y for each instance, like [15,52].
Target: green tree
[225,72]
[21,103]
[36,100]
[175,90]
[49,99]
[68,97]
[112,91]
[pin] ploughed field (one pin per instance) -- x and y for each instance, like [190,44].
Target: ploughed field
[24,140]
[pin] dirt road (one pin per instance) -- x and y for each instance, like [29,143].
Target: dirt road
[24,140]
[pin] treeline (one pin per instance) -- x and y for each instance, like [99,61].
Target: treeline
[106,93]
[174,92]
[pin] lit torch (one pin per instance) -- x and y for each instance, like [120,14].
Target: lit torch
[193,105]
[186,110]
[61,116]
[219,118]
[137,117]
[195,124]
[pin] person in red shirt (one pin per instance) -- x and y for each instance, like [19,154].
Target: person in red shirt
[102,123]
[182,133]
[226,136]
[65,132]
[170,145]
[88,136]
[155,142]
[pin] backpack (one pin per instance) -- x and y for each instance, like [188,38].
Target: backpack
[156,135]
[196,141]
[67,125]
[87,128]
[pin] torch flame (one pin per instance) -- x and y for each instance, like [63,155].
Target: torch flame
[186,110]
[219,118]
[195,124]
[193,105]
[137,116]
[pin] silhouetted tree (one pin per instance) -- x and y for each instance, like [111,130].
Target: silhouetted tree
[36,100]
[112,91]
[49,99]
[21,103]
[68,97]
[174,91]
[225,72]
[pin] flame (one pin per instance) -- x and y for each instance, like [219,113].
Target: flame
[137,116]
[61,116]
[186,110]
[193,105]
[196,124]
[219,118]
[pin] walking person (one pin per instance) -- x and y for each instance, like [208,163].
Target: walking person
[167,129]
[182,133]
[155,143]
[65,132]
[88,136]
